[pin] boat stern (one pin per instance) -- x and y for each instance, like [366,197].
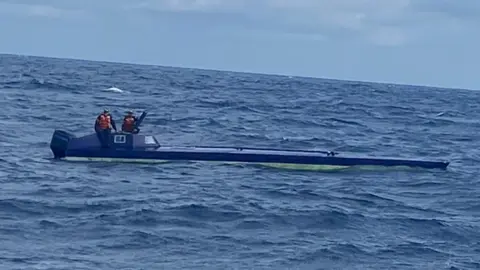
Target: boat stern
[59,143]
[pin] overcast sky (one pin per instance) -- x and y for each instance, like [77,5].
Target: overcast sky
[426,42]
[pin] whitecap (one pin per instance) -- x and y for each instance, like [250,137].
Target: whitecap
[114,89]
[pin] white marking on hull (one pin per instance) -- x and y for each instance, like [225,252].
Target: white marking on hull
[290,166]
[101,159]
[157,161]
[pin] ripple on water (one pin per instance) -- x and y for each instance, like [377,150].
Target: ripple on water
[205,216]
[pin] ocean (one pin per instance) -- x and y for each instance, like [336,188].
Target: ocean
[193,215]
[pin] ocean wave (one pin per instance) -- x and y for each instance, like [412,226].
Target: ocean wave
[225,216]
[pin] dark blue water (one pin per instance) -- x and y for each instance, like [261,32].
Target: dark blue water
[61,215]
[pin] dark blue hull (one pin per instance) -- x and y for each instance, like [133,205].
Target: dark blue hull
[138,148]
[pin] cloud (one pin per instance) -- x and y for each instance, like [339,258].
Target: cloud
[193,5]
[380,22]
[372,19]
[464,9]
[35,10]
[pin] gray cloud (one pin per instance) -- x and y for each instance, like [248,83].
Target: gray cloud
[382,22]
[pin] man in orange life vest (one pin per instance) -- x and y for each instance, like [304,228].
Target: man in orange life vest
[103,127]
[129,123]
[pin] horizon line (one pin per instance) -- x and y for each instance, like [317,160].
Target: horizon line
[236,71]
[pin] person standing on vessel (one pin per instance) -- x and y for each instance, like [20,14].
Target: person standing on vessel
[129,122]
[103,127]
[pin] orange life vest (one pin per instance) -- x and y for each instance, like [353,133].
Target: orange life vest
[128,122]
[104,121]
